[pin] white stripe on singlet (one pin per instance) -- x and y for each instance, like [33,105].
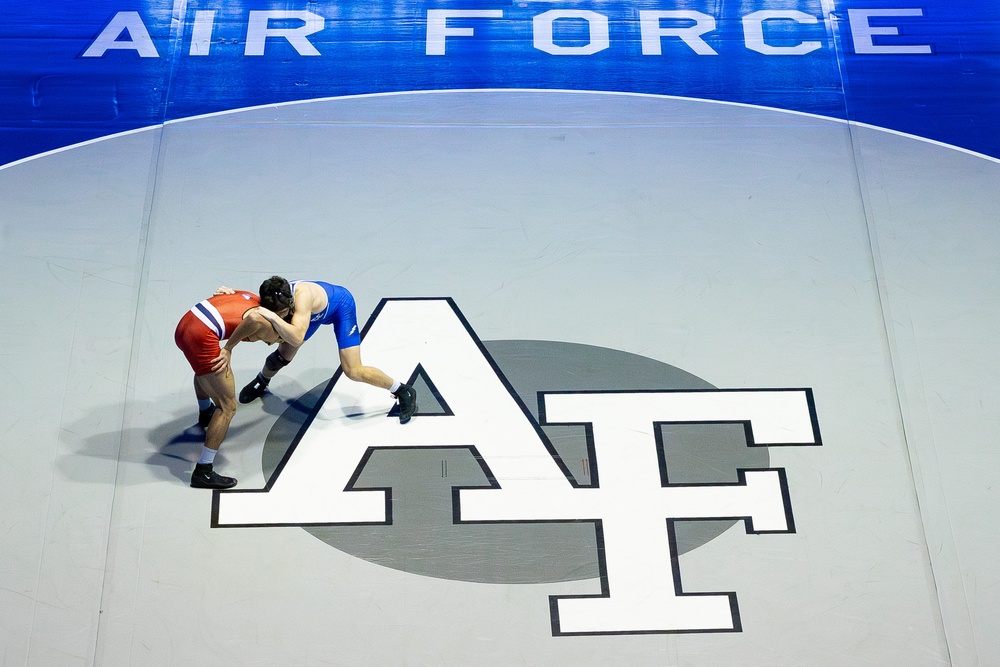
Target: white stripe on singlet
[208,314]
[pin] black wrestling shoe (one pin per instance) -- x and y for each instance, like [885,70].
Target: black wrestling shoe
[255,389]
[407,397]
[205,416]
[204,477]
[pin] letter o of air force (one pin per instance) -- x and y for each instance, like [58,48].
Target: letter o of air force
[544,40]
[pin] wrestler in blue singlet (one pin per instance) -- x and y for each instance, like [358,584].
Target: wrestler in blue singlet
[341,312]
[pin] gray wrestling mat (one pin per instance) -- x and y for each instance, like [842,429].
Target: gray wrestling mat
[701,384]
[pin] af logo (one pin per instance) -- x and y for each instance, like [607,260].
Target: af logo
[532,461]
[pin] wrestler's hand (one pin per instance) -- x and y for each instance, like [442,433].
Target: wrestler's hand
[221,363]
[222,289]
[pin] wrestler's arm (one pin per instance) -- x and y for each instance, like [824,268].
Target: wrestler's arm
[294,332]
[253,323]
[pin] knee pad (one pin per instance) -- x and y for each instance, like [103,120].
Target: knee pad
[275,362]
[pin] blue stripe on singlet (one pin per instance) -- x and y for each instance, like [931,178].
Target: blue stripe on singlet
[220,330]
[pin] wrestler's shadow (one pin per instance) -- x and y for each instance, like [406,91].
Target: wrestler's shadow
[177,444]
[170,444]
[181,441]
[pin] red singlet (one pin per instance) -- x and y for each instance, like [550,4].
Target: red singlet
[213,320]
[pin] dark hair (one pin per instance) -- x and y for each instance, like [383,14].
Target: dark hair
[276,294]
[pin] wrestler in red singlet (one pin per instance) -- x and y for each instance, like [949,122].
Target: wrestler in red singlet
[210,321]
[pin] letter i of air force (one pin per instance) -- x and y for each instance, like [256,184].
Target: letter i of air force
[631,505]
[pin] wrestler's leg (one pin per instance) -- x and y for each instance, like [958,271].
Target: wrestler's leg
[285,354]
[350,361]
[221,389]
[199,393]
[354,369]
[206,407]
[274,362]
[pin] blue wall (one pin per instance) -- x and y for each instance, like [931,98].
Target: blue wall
[75,71]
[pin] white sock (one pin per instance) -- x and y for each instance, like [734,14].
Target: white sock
[394,388]
[207,455]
